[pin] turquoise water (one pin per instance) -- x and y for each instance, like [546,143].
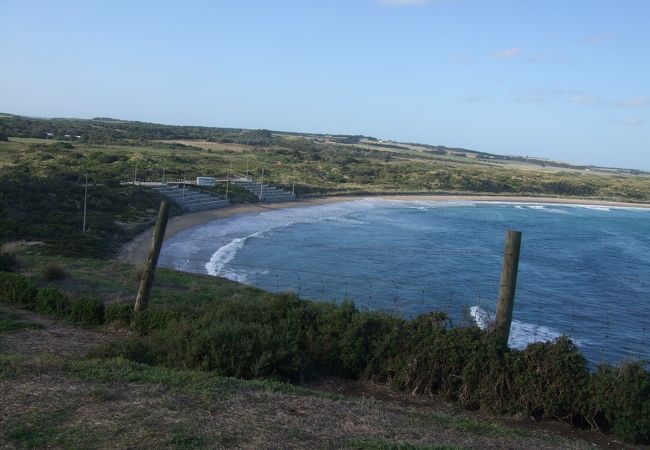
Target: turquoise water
[584,270]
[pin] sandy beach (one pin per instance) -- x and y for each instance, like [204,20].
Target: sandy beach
[135,252]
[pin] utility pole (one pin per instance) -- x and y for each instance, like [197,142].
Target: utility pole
[262,185]
[506,301]
[184,173]
[227,183]
[135,174]
[163,177]
[83,228]
[142,300]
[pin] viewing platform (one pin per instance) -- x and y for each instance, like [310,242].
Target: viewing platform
[265,192]
[188,197]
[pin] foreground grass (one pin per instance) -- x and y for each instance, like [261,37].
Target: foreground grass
[9,322]
[91,403]
[56,398]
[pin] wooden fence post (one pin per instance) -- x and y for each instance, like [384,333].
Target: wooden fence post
[508,285]
[142,300]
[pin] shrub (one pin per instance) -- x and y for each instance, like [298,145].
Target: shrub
[284,337]
[134,349]
[53,272]
[153,319]
[8,262]
[550,380]
[15,288]
[119,312]
[87,311]
[50,300]
[619,400]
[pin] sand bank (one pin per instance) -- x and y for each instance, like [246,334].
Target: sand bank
[135,252]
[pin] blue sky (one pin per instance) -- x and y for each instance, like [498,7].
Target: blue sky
[567,80]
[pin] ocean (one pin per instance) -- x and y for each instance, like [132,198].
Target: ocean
[584,270]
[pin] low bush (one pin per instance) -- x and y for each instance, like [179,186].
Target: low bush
[154,319]
[8,262]
[53,272]
[619,400]
[119,312]
[87,311]
[134,349]
[51,301]
[550,380]
[15,288]
[286,338]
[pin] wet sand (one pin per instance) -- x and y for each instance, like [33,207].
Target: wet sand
[135,252]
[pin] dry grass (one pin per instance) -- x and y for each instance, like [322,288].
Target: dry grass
[51,337]
[47,406]
[207,145]
[51,400]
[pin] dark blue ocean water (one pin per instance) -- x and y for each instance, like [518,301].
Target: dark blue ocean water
[584,270]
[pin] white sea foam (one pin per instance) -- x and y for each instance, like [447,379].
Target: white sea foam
[229,231]
[428,205]
[218,264]
[521,333]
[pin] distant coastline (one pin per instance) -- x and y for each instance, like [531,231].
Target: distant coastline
[135,252]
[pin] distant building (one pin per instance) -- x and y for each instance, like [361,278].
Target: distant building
[49,135]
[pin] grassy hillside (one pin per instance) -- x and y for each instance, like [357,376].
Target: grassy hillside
[201,329]
[41,180]
[145,375]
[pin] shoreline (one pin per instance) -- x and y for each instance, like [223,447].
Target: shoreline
[136,251]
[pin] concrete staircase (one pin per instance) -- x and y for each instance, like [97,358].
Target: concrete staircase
[265,192]
[191,200]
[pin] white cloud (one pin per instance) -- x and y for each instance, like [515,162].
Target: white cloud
[634,102]
[545,59]
[537,95]
[599,38]
[508,53]
[476,98]
[583,99]
[634,121]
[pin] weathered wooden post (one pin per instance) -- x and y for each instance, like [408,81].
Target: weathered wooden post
[508,285]
[142,300]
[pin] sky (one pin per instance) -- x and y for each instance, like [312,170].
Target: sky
[562,79]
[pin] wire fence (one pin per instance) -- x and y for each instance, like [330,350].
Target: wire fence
[544,309]
[603,334]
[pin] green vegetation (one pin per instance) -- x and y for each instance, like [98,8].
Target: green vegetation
[15,288]
[42,180]
[8,262]
[199,330]
[380,444]
[87,312]
[219,328]
[49,208]
[10,323]
[53,302]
